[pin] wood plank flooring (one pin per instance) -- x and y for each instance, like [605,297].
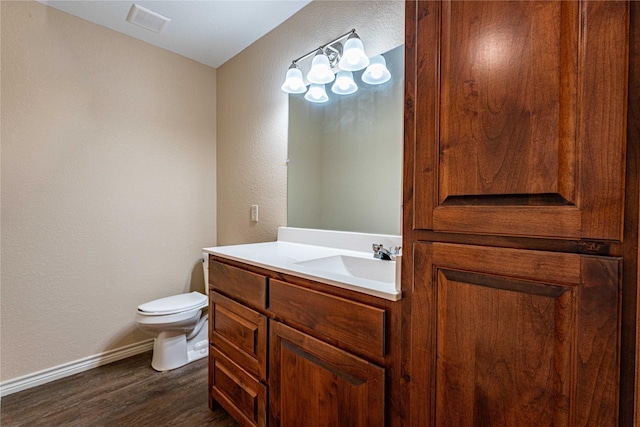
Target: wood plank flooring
[123,393]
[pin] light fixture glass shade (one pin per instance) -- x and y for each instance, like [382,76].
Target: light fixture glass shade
[353,56]
[316,93]
[294,83]
[344,84]
[377,72]
[320,72]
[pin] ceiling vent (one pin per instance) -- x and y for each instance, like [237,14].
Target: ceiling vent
[147,19]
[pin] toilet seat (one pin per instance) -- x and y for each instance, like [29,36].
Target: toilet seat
[174,304]
[170,321]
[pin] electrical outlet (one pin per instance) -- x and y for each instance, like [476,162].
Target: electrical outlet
[254,213]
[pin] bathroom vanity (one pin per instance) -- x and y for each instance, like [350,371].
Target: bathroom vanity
[298,335]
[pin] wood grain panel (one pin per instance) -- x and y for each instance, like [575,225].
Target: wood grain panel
[240,333]
[504,357]
[236,391]
[524,264]
[234,328]
[602,124]
[340,389]
[422,338]
[597,354]
[427,113]
[555,222]
[356,326]
[513,337]
[631,273]
[245,286]
[500,98]
[520,118]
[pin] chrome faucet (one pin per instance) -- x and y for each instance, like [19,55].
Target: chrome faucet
[380,252]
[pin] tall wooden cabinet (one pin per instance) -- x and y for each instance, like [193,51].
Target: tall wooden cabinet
[521,212]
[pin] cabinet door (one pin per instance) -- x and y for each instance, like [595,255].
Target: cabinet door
[314,384]
[520,111]
[507,337]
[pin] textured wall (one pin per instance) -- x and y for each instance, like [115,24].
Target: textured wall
[108,184]
[253,111]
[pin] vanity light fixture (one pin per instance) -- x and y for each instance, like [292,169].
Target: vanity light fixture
[377,71]
[294,82]
[316,93]
[344,84]
[320,72]
[353,58]
[332,58]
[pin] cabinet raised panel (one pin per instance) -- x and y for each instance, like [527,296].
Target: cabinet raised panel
[248,287]
[240,394]
[359,327]
[240,333]
[314,384]
[520,118]
[506,337]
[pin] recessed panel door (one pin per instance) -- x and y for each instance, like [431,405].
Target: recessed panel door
[506,337]
[520,118]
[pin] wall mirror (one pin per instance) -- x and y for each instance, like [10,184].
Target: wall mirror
[345,157]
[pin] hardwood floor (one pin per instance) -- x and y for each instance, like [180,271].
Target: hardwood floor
[124,393]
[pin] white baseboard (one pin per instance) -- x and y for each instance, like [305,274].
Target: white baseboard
[67,369]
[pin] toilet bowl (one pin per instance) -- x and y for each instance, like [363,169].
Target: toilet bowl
[178,324]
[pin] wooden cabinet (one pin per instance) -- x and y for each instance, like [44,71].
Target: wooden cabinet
[315,384]
[329,350]
[239,393]
[521,212]
[247,287]
[359,327]
[529,341]
[238,343]
[520,117]
[239,332]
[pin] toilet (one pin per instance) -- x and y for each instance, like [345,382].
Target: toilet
[179,325]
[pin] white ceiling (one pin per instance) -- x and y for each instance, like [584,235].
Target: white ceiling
[208,31]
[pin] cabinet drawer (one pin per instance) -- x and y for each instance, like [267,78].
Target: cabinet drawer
[245,286]
[240,333]
[241,395]
[358,326]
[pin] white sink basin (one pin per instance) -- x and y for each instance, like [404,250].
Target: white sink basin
[365,268]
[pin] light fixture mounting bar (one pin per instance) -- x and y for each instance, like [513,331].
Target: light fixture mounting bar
[308,54]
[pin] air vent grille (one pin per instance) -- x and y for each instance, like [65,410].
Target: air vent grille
[147,19]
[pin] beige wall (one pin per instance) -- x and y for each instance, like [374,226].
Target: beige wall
[253,111]
[108,184]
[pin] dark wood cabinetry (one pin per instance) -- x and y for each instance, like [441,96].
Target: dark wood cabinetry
[315,384]
[360,327]
[520,212]
[328,358]
[240,333]
[241,394]
[520,118]
[514,337]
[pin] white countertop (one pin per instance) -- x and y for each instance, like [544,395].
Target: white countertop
[282,256]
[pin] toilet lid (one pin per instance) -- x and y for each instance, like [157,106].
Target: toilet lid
[174,303]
